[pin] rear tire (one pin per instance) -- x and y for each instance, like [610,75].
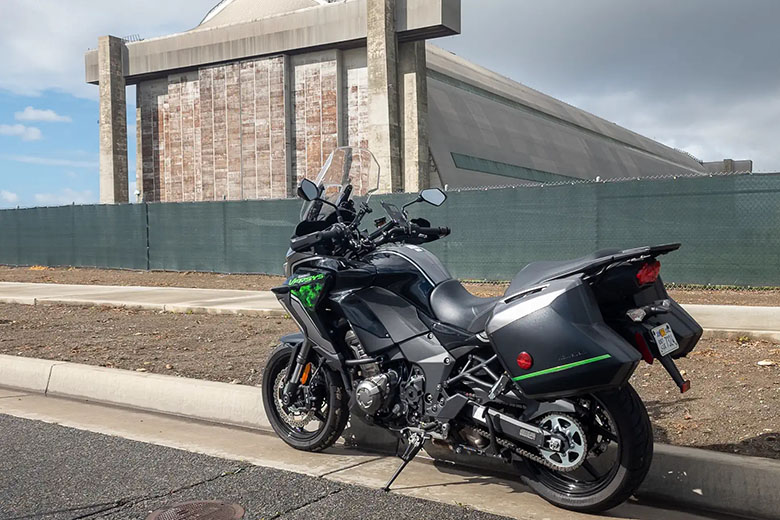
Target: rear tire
[635,453]
[332,416]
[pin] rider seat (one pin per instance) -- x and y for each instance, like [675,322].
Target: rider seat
[454,305]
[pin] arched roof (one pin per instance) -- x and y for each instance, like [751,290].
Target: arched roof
[229,12]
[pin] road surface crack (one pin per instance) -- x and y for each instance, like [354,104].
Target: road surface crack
[123,503]
[307,504]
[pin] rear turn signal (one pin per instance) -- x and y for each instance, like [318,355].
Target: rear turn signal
[525,361]
[649,273]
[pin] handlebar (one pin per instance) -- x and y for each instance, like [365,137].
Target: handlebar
[388,232]
[308,241]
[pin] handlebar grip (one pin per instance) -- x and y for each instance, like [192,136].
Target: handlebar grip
[442,232]
[333,232]
[307,241]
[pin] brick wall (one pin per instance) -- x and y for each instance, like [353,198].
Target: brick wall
[219,133]
[214,134]
[315,103]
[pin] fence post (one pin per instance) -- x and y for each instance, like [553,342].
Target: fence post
[148,248]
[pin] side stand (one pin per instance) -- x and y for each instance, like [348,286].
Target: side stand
[414,443]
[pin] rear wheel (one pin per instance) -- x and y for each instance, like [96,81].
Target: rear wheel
[609,450]
[318,415]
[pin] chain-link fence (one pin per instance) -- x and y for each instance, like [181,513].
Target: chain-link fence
[729,227]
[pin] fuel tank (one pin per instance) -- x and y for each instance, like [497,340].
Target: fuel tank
[409,271]
[553,342]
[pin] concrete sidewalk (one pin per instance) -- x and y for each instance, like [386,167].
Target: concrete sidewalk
[169,299]
[717,320]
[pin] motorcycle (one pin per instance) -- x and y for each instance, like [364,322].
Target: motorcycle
[537,378]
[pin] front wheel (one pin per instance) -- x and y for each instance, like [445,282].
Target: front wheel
[318,415]
[611,447]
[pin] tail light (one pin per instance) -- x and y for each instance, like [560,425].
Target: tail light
[649,273]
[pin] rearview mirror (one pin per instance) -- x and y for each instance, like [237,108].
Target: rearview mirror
[308,191]
[433,196]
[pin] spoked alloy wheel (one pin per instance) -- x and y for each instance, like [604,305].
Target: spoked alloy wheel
[317,416]
[619,448]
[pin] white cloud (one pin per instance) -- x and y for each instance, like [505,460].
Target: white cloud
[8,197]
[45,161]
[46,116]
[131,187]
[739,131]
[655,67]
[44,41]
[66,196]
[27,133]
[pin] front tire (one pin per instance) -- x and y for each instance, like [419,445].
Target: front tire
[633,453]
[307,427]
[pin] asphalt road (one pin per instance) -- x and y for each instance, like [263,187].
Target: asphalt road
[50,472]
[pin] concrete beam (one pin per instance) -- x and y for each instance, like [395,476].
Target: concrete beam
[338,25]
[113,121]
[413,75]
[384,126]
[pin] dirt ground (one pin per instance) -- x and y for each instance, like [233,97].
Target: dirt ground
[264,282]
[733,406]
[79,276]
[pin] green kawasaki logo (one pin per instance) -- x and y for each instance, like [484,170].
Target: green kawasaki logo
[561,368]
[306,279]
[310,292]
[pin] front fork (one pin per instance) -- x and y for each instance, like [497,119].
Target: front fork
[295,372]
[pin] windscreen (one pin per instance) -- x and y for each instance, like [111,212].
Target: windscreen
[355,167]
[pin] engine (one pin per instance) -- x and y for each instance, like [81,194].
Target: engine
[393,393]
[373,393]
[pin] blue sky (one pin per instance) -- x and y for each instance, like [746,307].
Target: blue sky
[699,75]
[49,156]
[48,115]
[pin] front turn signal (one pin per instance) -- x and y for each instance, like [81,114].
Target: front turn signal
[306,373]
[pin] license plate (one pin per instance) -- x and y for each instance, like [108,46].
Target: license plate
[664,338]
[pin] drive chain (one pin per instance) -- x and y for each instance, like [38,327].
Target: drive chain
[525,453]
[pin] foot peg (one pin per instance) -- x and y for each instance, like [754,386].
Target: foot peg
[414,443]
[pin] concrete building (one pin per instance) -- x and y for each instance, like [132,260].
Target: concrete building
[255,98]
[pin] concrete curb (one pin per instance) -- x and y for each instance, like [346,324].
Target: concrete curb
[206,400]
[733,334]
[27,374]
[699,479]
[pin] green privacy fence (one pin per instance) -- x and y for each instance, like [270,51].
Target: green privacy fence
[729,227]
[95,236]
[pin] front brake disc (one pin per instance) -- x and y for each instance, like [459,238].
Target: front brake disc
[292,416]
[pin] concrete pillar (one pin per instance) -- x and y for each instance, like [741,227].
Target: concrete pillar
[139,151]
[113,121]
[413,74]
[289,117]
[384,127]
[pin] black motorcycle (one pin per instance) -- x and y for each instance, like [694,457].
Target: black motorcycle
[537,378]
